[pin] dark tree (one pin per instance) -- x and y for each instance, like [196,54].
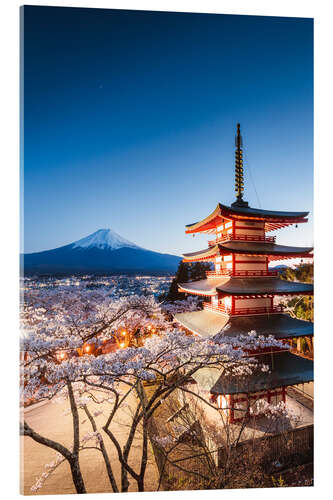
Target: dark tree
[185,272]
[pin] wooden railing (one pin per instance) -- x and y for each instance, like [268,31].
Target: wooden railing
[243,272]
[241,237]
[257,310]
[216,307]
[245,311]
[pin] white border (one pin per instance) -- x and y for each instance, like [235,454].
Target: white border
[9,32]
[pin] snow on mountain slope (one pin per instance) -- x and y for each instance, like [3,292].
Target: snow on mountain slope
[104,239]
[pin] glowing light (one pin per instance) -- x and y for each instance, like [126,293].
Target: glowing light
[123,333]
[122,345]
[222,402]
[227,301]
[87,348]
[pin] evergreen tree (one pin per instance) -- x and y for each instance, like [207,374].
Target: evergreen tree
[186,272]
[303,308]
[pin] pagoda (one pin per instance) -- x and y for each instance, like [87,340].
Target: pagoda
[242,295]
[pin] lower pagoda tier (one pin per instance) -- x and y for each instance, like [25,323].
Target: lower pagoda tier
[209,323]
[228,285]
[234,396]
[276,252]
[285,369]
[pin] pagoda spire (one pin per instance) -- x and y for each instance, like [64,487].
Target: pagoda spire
[239,174]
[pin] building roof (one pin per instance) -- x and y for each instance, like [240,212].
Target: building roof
[209,323]
[205,287]
[285,369]
[248,248]
[257,286]
[228,285]
[273,219]
[204,323]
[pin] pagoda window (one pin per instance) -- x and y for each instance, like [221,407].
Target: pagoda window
[228,224]
[227,258]
[222,402]
[243,305]
[227,302]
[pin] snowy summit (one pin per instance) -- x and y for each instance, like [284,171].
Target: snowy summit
[104,239]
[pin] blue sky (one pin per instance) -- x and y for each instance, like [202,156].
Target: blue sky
[130,117]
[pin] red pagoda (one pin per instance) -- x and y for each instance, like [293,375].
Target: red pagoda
[242,293]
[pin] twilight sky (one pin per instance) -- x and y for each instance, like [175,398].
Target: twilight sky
[130,118]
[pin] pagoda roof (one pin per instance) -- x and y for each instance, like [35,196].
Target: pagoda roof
[249,248]
[257,286]
[205,287]
[285,369]
[273,219]
[229,285]
[209,323]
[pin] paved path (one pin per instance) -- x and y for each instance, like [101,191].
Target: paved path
[48,420]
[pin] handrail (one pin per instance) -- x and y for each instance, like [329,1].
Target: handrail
[243,272]
[241,237]
[242,310]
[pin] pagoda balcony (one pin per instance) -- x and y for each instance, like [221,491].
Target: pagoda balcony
[242,311]
[241,273]
[221,308]
[241,237]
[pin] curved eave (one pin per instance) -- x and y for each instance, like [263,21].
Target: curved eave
[258,248]
[206,224]
[210,323]
[273,219]
[205,288]
[203,323]
[245,286]
[276,252]
[206,254]
[285,369]
[259,214]
[281,326]
[263,286]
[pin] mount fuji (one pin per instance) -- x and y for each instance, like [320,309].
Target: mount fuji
[102,252]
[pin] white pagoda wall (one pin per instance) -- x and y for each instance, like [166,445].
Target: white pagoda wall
[253,263]
[249,303]
[249,228]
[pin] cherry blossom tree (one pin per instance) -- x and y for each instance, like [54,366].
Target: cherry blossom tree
[63,334]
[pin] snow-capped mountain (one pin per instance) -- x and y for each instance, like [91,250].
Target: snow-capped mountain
[102,252]
[104,239]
